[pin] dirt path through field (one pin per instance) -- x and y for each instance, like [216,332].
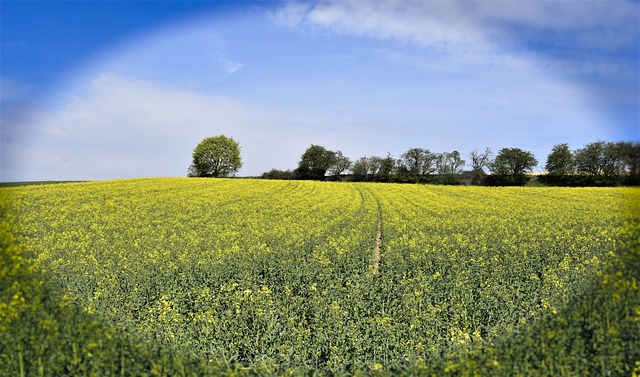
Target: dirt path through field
[376,251]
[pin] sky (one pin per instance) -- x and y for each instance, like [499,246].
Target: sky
[93,90]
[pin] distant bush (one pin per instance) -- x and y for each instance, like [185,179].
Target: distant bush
[279,174]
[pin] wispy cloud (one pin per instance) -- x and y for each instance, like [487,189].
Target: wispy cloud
[291,14]
[187,56]
[475,29]
[603,24]
[435,24]
[217,49]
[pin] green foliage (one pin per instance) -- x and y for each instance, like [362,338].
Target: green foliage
[278,174]
[373,169]
[629,154]
[341,164]
[315,162]
[597,159]
[217,156]
[597,164]
[605,163]
[416,164]
[510,165]
[360,169]
[560,161]
[594,333]
[449,166]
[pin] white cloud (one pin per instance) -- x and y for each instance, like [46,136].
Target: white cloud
[435,21]
[473,30]
[429,24]
[188,55]
[122,127]
[291,15]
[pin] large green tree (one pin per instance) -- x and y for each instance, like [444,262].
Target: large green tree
[449,163]
[607,163]
[217,156]
[600,158]
[560,161]
[416,163]
[315,162]
[510,166]
[341,163]
[449,166]
[386,168]
[630,155]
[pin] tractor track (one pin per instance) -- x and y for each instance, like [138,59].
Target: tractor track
[377,251]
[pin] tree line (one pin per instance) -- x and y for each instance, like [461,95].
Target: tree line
[596,164]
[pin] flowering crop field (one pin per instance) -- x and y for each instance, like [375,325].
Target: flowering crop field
[242,277]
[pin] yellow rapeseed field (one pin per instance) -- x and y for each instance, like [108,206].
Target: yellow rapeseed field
[241,276]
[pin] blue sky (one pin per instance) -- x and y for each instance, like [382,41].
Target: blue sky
[102,90]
